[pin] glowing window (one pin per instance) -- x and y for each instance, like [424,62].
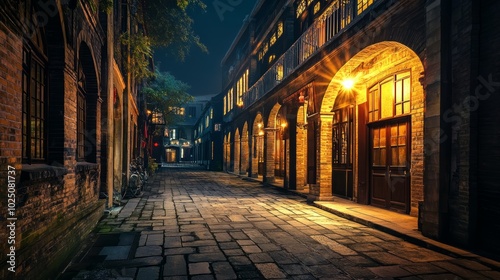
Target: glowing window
[280,29]
[272,40]
[363,5]
[271,58]
[301,7]
[279,72]
[317,7]
[391,97]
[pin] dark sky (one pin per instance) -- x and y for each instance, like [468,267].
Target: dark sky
[217,27]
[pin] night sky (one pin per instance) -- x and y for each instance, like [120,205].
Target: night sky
[217,27]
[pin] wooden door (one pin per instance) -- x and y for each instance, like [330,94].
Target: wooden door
[389,165]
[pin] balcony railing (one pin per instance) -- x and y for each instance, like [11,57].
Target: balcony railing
[334,20]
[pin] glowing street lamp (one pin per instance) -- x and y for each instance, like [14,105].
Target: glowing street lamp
[348,83]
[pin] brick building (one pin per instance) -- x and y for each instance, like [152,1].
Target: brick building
[388,103]
[70,125]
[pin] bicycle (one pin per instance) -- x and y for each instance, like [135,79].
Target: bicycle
[137,179]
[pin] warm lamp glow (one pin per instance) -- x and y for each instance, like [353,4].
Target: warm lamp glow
[348,83]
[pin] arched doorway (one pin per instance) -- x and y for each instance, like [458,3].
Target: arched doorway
[258,147]
[245,151]
[372,129]
[237,152]
[342,144]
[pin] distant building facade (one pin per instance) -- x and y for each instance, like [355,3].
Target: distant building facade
[208,136]
[177,143]
[387,103]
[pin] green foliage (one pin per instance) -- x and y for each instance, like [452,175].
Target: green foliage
[165,94]
[140,54]
[106,6]
[170,26]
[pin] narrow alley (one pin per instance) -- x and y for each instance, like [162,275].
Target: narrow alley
[196,224]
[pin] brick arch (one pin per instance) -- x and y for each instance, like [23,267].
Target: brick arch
[358,67]
[237,150]
[56,54]
[87,62]
[245,150]
[368,67]
[271,120]
[257,144]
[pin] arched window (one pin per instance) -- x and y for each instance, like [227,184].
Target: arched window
[34,89]
[343,128]
[81,106]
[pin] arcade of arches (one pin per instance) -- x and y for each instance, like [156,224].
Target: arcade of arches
[361,140]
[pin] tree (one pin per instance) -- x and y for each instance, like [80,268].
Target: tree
[166,95]
[168,25]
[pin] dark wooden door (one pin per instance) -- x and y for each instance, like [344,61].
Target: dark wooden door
[389,165]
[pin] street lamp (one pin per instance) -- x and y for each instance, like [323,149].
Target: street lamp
[348,83]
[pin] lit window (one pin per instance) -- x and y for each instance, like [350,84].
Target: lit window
[279,72]
[301,7]
[342,136]
[279,30]
[390,97]
[225,105]
[271,58]
[363,5]
[317,7]
[272,40]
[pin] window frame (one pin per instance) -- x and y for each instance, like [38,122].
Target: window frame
[81,117]
[375,112]
[34,87]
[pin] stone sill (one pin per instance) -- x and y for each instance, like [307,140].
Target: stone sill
[38,172]
[86,167]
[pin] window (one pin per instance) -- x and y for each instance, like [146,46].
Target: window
[342,136]
[363,5]
[389,98]
[225,105]
[317,7]
[279,72]
[81,115]
[271,58]
[301,7]
[34,103]
[279,30]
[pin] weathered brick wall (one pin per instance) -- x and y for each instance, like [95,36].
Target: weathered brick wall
[461,131]
[10,130]
[57,201]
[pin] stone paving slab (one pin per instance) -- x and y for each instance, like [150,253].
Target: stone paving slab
[197,224]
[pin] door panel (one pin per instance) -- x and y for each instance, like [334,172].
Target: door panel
[389,163]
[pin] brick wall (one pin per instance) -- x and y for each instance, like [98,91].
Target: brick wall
[56,201]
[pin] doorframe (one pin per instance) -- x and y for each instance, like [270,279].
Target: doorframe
[387,122]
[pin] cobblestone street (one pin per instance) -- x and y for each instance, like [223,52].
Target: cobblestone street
[195,224]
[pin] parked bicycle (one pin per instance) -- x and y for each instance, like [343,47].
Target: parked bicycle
[137,180]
